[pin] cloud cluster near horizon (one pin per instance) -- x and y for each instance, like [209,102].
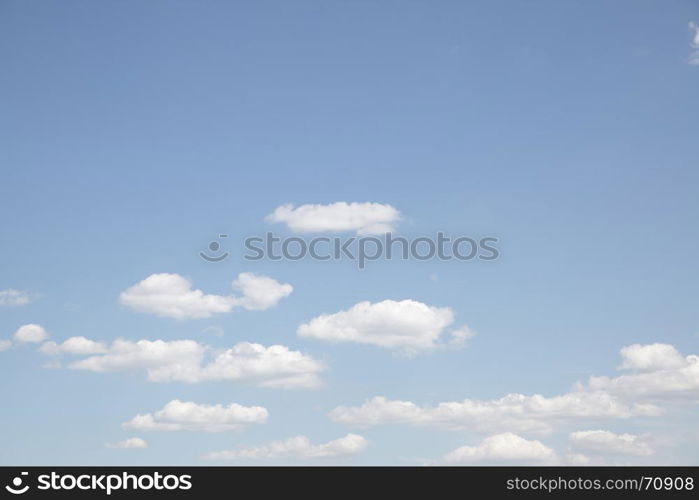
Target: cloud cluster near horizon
[658,374]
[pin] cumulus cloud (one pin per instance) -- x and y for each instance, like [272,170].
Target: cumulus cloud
[405,326]
[5,345]
[651,357]
[607,442]
[134,442]
[518,412]
[364,218]
[260,292]
[74,345]
[299,447]
[275,366]
[505,447]
[657,371]
[191,362]
[172,296]
[694,56]
[14,298]
[187,416]
[31,333]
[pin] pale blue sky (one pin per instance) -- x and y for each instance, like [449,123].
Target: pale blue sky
[132,133]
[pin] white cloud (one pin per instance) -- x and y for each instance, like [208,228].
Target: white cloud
[658,371]
[694,56]
[406,326]
[651,357]
[505,447]
[186,416]
[133,442]
[275,366]
[364,218]
[518,412]
[163,360]
[606,442]
[5,345]
[172,296]
[31,333]
[298,447]
[14,298]
[186,361]
[260,292]
[74,345]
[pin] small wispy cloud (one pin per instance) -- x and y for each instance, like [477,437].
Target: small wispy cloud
[14,298]
[298,447]
[133,442]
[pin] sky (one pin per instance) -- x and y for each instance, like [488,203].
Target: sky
[133,134]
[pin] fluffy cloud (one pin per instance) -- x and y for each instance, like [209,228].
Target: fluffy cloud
[364,218]
[260,292]
[298,447]
[172,295]
[164,361]
[505,447]
[14,298]
[651,357]
[5,345]
[610,443]
[515,411]
[191,362]
[186,416]
[31,333]
[133,442]
[74,345]
[276,366]
[406,326]
[694,56]
[658,371]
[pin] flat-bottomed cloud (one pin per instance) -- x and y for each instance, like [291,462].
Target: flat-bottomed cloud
[31,333]
[363,218]
[189,361]
[299,447]
[407,326]
[505,447]
[172,296]
[187,416]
